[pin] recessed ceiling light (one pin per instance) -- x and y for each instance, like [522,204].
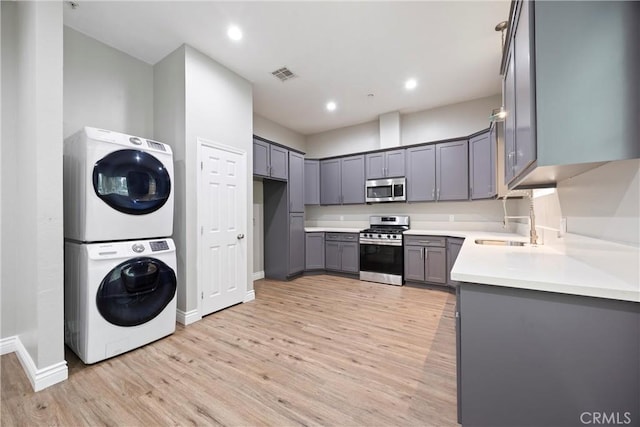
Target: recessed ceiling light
[331,106]
[410,84]
[234,32]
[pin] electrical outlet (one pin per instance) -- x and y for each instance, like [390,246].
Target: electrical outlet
[451,218]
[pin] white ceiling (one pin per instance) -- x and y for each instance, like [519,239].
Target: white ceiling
[341,51]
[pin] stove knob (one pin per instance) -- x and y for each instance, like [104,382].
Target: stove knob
[379,235]
[394,236]
[388,236]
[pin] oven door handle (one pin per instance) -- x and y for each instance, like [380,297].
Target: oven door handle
[380,242]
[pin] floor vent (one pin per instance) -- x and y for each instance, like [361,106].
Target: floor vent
[284,74]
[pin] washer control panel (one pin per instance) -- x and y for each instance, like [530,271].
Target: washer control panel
[160,245]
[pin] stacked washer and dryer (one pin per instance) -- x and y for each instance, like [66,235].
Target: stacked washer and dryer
[120,264]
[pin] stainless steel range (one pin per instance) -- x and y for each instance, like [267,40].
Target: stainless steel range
[381,249]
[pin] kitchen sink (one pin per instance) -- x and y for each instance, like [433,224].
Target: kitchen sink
[500,242]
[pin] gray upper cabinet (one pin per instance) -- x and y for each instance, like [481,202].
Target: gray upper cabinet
[260,157]
[352,179]
[330,182]
[311,182]
[482,165]
[279,162]
[342,180]
[452,170]
[270,161]
[555,93]
[421,173]
[509,88]
[385,164]
[296,182]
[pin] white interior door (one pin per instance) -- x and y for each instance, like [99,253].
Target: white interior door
[222,201]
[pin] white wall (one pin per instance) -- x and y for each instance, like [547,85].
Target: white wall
[219,107]
[277,133]
[450,121]
[105,88]
[347,140]
[603,203]
[32,274]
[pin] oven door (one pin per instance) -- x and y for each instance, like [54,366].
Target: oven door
[382,263]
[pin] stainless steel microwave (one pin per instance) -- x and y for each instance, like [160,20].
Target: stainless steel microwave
[386,190]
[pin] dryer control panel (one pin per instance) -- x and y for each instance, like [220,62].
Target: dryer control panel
[160,245]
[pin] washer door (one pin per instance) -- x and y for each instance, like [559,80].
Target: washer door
[136,291]
[132,181]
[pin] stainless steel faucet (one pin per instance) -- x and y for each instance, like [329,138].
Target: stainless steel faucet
[533,234]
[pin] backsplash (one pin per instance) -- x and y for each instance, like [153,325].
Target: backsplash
[486,215]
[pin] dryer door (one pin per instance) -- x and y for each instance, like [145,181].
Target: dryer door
[136,291]
[132,181]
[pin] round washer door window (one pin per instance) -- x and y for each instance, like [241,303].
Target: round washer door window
[132,181]
[136,291]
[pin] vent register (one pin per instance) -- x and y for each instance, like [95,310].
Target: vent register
[283,74]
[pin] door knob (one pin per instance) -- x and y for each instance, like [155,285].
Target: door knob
[240,236]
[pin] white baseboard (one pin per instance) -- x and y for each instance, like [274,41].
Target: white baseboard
[39,378]
[251,295]
[258,275]
[187,317]
[8,345]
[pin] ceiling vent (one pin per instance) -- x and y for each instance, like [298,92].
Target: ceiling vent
[284,74]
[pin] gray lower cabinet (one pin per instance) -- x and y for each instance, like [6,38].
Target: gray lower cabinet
[314,251]
[438,172]
[531,358]
[284,239]
[342,180]
[296,243]
[270,160]
[425,259]
[311,182]
[482,165]
[342,252]
[454,244]
[296,182]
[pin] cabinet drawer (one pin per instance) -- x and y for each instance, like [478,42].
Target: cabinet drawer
[436,241]
[342,237]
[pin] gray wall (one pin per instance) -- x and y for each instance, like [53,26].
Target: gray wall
[32,253]
[218,106]
[105,88]
[169,127]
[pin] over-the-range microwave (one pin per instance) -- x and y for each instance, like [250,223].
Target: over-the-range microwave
[385,190]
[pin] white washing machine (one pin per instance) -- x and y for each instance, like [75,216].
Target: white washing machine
[116,187]
[118,296]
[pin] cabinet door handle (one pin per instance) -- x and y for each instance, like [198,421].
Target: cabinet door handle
[426,253]
[433,193]
[438,194]
[421,253]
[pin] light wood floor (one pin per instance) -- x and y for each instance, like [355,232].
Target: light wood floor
[318,350]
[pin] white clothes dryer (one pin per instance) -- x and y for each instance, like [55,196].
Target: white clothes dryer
[118,296]
[116,187]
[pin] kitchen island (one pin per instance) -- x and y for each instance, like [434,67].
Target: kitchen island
[545,337]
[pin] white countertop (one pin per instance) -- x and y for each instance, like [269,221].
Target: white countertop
[332,230]
[542,267]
